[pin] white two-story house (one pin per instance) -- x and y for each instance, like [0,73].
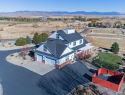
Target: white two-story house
[61,48]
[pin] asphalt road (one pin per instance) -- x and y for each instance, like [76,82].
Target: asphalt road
[85,30]
[17,80]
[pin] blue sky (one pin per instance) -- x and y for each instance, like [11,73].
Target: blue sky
[63,5]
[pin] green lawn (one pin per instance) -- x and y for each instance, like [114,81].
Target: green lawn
[19,22]
[109,61]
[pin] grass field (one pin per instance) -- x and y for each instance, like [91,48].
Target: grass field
[108,61]
[107,43]
[22,29]
[110,31]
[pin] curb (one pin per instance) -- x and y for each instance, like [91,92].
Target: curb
[1,90]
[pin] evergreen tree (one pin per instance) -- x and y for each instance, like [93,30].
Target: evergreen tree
[118,26]
[40,38]
[28,40]
[44,36]
[36,38]
[89,25]
[115,47]
[20,41]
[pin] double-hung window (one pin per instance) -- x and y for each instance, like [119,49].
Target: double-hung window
[74,43]
[67,58]
[80,41]
[57,36]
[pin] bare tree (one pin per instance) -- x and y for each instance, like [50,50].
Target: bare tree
[75,16]
[35,25]
[25,51]
[80,16]
[108,24]
[57,27]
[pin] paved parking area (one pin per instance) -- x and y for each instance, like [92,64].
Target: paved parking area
[18,80]
[39,67]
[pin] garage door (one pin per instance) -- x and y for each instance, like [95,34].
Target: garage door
[50,62]
[39,58]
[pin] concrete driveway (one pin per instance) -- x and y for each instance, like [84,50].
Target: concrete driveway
[39,67]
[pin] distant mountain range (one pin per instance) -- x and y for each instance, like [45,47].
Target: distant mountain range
[57,13]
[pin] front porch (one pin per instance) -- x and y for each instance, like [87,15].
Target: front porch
[83,53]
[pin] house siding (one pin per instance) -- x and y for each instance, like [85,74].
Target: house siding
[41,49]
[63,60]
[67,50]
[54,36]
[77,43]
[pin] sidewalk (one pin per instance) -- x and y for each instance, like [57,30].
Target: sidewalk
[1,90]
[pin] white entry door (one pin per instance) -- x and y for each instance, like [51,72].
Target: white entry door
[50,62]
[39,58]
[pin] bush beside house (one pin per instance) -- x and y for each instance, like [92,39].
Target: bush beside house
[28,40]
[21,41]
[108,61]
[87,56]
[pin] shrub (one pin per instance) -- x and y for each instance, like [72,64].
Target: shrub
[21,41]
[87,56]
[35,25]
[9,43]
[28,40]
[1,29]
[12,23]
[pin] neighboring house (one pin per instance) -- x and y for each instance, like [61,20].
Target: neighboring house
[117,24]
[61,48]
[43,18]
[75,21]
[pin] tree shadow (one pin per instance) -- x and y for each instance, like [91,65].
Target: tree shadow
[87,77]
[105,49]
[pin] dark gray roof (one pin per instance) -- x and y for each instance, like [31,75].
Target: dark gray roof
[70,37]
[56,54]
[52,32]
[56,47]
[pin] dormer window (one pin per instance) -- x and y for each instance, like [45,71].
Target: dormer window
[74,43]
[57,36]
[44,48]
[80,41]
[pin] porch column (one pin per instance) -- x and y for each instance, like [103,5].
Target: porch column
[90,50]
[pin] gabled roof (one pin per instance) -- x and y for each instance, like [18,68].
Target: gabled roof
[56,47]
[70,37]
[53,32]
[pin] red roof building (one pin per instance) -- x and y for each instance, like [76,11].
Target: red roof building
[109,79]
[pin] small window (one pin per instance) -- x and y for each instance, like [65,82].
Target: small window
[45,48]
[80,41]
[74,43]
[67,58]
[57,36]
